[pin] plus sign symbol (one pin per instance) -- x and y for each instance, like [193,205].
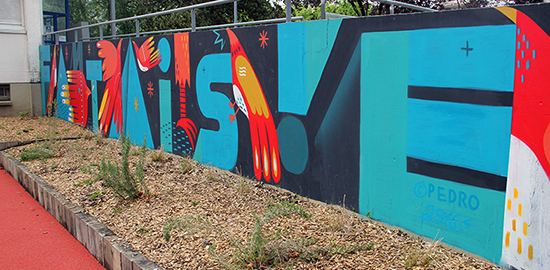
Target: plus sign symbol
[467,48]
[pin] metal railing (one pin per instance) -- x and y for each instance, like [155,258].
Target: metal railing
[193,27]
[138,17]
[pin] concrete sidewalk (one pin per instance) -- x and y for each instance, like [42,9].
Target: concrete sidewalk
[30,238]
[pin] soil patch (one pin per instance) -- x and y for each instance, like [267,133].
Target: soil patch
[214,214]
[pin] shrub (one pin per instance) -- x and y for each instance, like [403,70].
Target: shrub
[125,184]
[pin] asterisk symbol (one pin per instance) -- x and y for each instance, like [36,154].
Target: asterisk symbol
[150,88]
[263,39]
[136,103]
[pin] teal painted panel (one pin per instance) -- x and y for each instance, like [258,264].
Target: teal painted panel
[62,107]
[293,145]
[292,80]
[467,217]
[216,147]
[319,39]
[44,75]
[468,57]
[44,57]
[95,107]
[465,135]
[165,111]
[166,54]
[93,70]
[135,120]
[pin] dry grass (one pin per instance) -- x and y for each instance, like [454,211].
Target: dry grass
[424,255]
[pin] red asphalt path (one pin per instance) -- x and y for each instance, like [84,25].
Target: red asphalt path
[31,238]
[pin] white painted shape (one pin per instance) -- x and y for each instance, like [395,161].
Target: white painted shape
[527,175]
[240,100]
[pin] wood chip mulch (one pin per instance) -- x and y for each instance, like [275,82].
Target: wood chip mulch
[226,204]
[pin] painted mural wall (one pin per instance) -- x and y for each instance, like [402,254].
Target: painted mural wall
[437,122]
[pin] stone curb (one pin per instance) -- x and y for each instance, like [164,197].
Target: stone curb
[110,250]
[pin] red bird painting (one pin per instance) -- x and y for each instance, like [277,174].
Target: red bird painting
[111,104]
[250,99]
[147,56]
[53,80]
[76,95]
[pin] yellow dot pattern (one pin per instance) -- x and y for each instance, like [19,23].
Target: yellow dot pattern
[517,227]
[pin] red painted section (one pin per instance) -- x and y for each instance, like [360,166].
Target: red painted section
[531,112]
[30,238]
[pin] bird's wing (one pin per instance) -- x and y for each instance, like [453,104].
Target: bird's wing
[112,100]
[147,55]
[76,95]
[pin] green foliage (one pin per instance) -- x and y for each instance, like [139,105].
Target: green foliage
[142,230]
[125,184]
[96,194]
[194,203]
[313,12]
[94,11]
[40,152]
[23,114]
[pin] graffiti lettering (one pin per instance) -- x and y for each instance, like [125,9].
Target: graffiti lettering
[447,220]
[447,195]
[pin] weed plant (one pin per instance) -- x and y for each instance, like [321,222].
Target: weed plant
[124,184]
[40,152]
[423,256]
[46,149]
[186,166]
[158,155]
[258,250]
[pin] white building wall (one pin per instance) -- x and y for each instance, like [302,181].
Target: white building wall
[21,24]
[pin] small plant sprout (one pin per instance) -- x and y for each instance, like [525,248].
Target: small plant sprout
[211,174]
[142,230]
[186,166]
[158,155]
[423,256]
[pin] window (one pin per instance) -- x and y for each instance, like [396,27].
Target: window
[4,92]
[11,17]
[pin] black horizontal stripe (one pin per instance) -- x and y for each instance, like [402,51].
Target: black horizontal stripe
[462,95]
[456,174]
